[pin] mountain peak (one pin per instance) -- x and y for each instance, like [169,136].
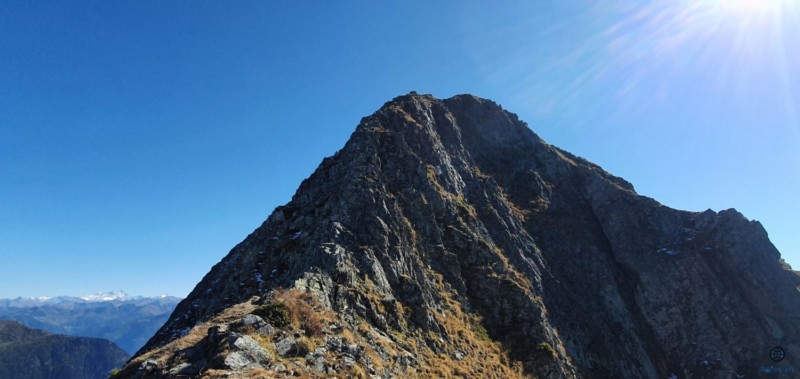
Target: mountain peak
[117,295]
[447,239]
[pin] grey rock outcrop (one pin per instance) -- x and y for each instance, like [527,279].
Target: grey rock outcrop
[447,238]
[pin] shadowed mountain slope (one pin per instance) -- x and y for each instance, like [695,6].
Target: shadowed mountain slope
[34,354]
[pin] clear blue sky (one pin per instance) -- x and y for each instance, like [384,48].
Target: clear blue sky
[141,140]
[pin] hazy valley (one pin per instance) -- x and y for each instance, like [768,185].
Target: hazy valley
[127,321]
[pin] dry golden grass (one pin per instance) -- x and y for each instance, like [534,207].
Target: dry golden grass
[459,201]
[483,358]
[305,310]
[197,333]
[357,372]
[462,332]
[305,346]
[412,232]
[405,114]
[519,214]
[432,179]
[347,336]
[167,355]
[479,174]
[377,129]
[265,342]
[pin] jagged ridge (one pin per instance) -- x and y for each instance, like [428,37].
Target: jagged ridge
[438,212]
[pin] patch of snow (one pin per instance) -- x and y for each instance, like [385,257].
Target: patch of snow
[667,251]
[297,235]
[107,296]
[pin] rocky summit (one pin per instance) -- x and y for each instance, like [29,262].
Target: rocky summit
[446,239]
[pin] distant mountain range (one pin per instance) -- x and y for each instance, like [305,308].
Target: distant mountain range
[34,354]
[128,321]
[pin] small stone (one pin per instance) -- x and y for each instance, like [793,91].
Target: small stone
[353,350]
[150,366]
[253,320]
[316,362]
[459,355]
[317,359]
[266,329]
[279,367]
[334,342]
[237,361]
[251,348]
[286,346]
[184,369]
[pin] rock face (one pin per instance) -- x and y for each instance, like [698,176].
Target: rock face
[34,354]
[447,239]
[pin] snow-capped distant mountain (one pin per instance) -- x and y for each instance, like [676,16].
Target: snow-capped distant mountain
[108,296]
[127,320]
[118,295]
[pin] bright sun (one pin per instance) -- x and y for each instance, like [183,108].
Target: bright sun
[735,44]
[750,7]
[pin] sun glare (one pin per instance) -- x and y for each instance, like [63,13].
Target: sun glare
[750,6]
[728,47]
[751,25]
[697,55]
